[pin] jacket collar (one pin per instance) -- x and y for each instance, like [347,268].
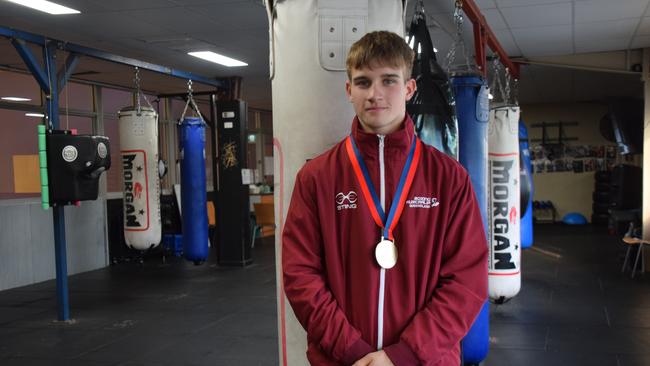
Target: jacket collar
[400,139]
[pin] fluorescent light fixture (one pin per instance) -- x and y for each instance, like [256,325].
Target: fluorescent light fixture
[217,58]
[15,99]
[46,6]
[39,115]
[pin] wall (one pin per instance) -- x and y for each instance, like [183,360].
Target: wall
[27,240]
[569,192]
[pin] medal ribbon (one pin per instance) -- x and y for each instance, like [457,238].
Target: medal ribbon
[369,192]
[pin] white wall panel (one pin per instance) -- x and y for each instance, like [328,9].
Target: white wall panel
[15,249]
[27,241]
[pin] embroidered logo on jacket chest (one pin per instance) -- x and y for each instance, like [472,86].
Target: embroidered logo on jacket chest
[422,202]
[346,201]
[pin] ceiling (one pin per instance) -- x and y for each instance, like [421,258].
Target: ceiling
[163,31]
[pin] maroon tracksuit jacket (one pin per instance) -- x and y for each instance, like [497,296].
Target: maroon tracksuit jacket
[331,277]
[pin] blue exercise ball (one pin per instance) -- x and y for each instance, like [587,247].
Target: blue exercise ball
[574,218]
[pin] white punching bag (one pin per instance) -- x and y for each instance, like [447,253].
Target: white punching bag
[504,272]
[309,40]
[140,181]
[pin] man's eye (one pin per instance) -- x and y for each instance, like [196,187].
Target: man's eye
[389,81]
[362,83]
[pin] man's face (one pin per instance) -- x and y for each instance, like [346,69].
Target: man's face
[379,96]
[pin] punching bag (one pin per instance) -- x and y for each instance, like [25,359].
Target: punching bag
[504,275]
[309,40]
[472,109]
[193,191]
[431,107]
[139,152]
[526,179]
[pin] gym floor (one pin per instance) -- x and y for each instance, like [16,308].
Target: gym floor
[575,308]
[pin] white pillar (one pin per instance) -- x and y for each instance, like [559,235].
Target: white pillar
[309,40]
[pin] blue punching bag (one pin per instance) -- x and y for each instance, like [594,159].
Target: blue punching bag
[472,111]
[193,190]
[526,180]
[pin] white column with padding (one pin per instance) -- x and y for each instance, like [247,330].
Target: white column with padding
[309,40]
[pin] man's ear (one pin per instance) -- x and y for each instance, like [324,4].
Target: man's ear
[348,90]
[411,87]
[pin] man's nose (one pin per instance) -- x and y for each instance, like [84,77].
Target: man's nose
[374,92]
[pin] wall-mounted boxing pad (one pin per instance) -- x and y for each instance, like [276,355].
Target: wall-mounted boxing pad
[75,163]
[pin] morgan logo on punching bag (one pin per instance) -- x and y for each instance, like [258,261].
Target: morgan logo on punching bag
[501,246]
[136,204]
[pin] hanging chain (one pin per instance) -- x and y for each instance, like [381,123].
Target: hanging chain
[418,14]
[419,10]
[136,79]
[139,93]
[458,37]
[496,66]
[458,20]
[190,99]
[459,30]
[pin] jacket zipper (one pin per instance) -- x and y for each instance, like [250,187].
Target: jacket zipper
[382,273]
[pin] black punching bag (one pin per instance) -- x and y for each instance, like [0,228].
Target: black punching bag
[431,106]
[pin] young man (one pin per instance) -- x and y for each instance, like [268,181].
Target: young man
[384,250]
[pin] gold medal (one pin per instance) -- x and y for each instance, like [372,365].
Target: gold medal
[386,254]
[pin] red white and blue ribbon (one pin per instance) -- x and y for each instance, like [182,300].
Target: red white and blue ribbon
[369,192]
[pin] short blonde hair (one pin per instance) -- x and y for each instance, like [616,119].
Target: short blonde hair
[380,48]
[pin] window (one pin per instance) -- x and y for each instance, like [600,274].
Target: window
[20,85]
[21,139]
[76,96]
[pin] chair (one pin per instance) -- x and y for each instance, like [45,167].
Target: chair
[264,216]
[632,240]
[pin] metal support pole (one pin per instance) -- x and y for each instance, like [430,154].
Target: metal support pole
[645,201]
[62,301]
[63,305]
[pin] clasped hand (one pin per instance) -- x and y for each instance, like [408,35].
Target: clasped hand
[379,358]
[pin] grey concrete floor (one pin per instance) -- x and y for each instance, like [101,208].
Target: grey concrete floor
[172,313]
[576,309]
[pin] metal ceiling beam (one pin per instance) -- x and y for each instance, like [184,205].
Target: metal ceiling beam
[184,95]
[483,36]
[81,50]
[33,65]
